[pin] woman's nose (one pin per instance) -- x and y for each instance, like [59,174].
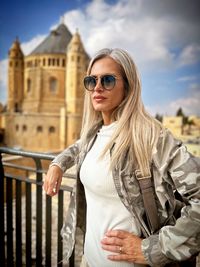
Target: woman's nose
[98,86]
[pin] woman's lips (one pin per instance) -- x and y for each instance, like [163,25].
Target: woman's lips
[99,98]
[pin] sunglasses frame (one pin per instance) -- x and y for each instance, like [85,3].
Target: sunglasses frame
[97,78]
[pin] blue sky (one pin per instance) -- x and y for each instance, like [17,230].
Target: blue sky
[163,38]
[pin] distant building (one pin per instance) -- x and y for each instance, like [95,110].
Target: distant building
[174,123]
[188,133]
[193,146]
[45,93]
[2,125]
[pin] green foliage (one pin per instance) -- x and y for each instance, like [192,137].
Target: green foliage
[159,117]
[180,113]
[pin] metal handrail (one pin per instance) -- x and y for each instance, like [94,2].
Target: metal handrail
[28,154]
[11,255]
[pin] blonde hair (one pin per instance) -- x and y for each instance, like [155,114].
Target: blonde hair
[137,132]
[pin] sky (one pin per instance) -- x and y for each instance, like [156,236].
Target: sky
[163,38]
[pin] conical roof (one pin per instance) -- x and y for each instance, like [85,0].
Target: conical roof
[76,44]
[56,42]
[15,50]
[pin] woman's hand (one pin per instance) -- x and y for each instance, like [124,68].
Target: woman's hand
[127,245]
[53,180]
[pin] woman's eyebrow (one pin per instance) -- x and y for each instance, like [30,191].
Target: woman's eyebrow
[107,73]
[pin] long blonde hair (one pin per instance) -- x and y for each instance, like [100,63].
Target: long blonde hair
[137,132]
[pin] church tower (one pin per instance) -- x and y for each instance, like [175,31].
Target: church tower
[15,77]
[77,62]
[46,88]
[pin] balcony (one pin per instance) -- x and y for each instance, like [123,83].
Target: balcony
[30,221]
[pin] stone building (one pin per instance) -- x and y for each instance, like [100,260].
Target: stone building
[188,133]
[45,93]
[174,124]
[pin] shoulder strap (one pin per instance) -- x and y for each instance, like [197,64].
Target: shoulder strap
[147,191]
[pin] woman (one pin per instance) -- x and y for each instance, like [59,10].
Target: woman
[119,139]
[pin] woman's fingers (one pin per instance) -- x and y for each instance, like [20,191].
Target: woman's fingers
[112,248]
[127,246]
[58,184]
[53,180]
[111,241]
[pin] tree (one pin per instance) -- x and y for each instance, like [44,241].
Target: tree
[180,113]
[158,117]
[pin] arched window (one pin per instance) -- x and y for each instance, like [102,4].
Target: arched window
[24,128]
[52,129]
[28,85]
[16,107]
[39,129]
[53,84]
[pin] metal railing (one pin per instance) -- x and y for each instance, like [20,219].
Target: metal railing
[26,222]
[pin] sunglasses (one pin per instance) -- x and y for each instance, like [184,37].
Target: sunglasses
[108,82]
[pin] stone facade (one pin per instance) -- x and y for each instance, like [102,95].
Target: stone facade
[189,133]
[174,123]
[45,93]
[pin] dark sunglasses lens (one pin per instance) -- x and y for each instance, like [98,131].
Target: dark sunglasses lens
[89,83]
[108,82]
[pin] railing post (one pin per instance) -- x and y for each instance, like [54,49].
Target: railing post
[28,225]
[48,230]
[60,223]
[12,225]
[39,208]
[2,199]
[18,224]
[9,220]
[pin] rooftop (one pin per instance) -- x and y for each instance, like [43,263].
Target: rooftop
[56,42]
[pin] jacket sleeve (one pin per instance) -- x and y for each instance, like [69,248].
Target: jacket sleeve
[68,157]
[182,240]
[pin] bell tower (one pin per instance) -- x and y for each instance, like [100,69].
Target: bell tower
[77,62]
[15,77]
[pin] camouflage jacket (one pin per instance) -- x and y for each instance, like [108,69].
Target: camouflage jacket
[173,168]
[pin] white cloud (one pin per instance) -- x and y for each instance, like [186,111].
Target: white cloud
[29,46]
[189,55]
[190,103]
[194,88]
[26,47]
[148,30]
[3,80]
[187,78]
[154,32]
[144,29]
[3,71]
[143,38]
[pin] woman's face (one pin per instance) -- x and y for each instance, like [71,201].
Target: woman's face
[104,100]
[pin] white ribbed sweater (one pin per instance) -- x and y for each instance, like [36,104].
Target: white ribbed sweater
[105,210]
